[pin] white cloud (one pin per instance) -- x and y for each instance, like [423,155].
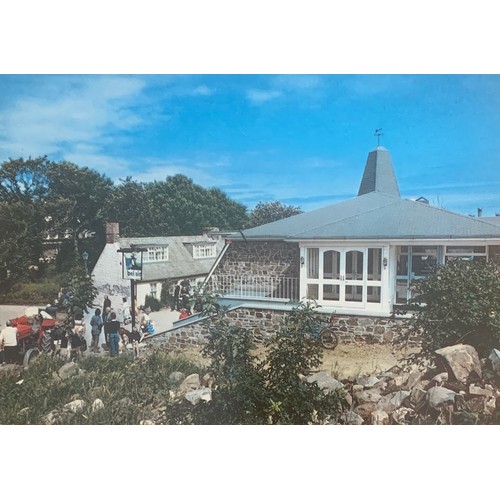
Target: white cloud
[262,96]
[203,90]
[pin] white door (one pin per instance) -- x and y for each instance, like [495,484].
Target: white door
[351,277]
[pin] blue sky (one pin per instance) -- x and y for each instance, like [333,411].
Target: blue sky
[300,139]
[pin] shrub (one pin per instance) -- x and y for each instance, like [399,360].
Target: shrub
[458,304]
[151,302]
[32,293]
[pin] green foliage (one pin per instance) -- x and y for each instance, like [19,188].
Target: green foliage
[32,293]
[131,390]
[151,302]
[264,213]
[251,390]
[82,293]
[458,304]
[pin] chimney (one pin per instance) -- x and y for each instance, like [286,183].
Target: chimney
[479,212]
[112,232]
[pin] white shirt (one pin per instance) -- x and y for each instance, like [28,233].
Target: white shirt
[9,335]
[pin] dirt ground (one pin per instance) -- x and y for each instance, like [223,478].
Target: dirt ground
[347,360]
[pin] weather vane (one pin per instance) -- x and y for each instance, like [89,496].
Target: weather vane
[378,133]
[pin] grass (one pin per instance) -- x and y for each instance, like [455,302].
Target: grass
[131,390]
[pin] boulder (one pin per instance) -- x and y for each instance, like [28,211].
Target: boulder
[97,405]
[365,410]
[368,381]
[379,417]
[461,360]
[176,377]
[399,415]
[146,422]
[392,401]
[488,391]
[440,378]
[190,383]
[67,370]
[368,396]
[207,380]
[351,418]
[417,394]
[494,357]
[438,396]
[325,381]
[476,404]
[76,406]
[194,397]
[413,378]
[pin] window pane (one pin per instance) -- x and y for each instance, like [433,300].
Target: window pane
[423,265]
[354,265]
[401,291]
[374,264]
[313,263]
[312,291]
[353,293]
[331,265]
[373,294]
[466,250]
[331,292]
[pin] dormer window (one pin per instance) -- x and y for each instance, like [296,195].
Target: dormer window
[204,251]
[155,254]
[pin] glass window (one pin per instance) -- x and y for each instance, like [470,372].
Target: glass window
[374,264]
[401,291]
[156,254]
[313,263]
[373,294]
[331,265]
[331,292]
[402,261]
[312,291]
[354,265]
[204,251]
[153,290]
[353,293]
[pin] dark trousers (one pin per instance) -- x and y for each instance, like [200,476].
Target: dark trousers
[11,354]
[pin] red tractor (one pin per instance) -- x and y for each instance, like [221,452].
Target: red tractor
[35,332]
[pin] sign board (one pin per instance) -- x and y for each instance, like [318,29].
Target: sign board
[132,265]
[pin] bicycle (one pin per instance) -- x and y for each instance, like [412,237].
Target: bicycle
[325,335]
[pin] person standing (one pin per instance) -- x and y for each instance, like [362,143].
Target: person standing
[126,313]
[8,338]
[105,305]
[96,324]
[114,335]
[175,303]
[106,317]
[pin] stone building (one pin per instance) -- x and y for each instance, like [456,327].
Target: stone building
[165,260]
[356,258]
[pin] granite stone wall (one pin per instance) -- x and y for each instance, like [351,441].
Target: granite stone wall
[264,322]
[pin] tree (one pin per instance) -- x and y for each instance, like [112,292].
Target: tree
[266,212]
[460,303]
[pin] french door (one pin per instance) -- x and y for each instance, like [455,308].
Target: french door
[346,277]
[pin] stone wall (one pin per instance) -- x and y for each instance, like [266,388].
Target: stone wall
[261,258]
[264,322]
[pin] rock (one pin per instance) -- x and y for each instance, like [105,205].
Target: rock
[146,422]
[76,406]
[357,387]
[399,415]
[460,403]
[194,397]
[461,360]
[494,357]
[392,401]
[52,418]
[207,380]
[351,418]
[176,377]
[417,395]
[490,406]
[479,391]
[438,396]
[97,405]
[348,399]
[190,383]
[413,378]
[325,381]
[365,410]
[440,378]
[379,417]
[369,396]
[476,404]
[368,382]
[67,370]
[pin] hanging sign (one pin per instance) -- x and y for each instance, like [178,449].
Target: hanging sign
[132,265]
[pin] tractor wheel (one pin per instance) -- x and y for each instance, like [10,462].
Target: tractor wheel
[47,343]
[30,355]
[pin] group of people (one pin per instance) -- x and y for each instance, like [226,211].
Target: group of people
[115,336]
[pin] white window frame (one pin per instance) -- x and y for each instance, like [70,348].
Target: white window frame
[156,254]
[204,251]
[153,290]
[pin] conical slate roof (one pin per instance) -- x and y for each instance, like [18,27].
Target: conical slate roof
[378,212]
[379,174]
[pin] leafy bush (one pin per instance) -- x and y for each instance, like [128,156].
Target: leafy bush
[31,293]
[269,391]
[151,302]
[458,304]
